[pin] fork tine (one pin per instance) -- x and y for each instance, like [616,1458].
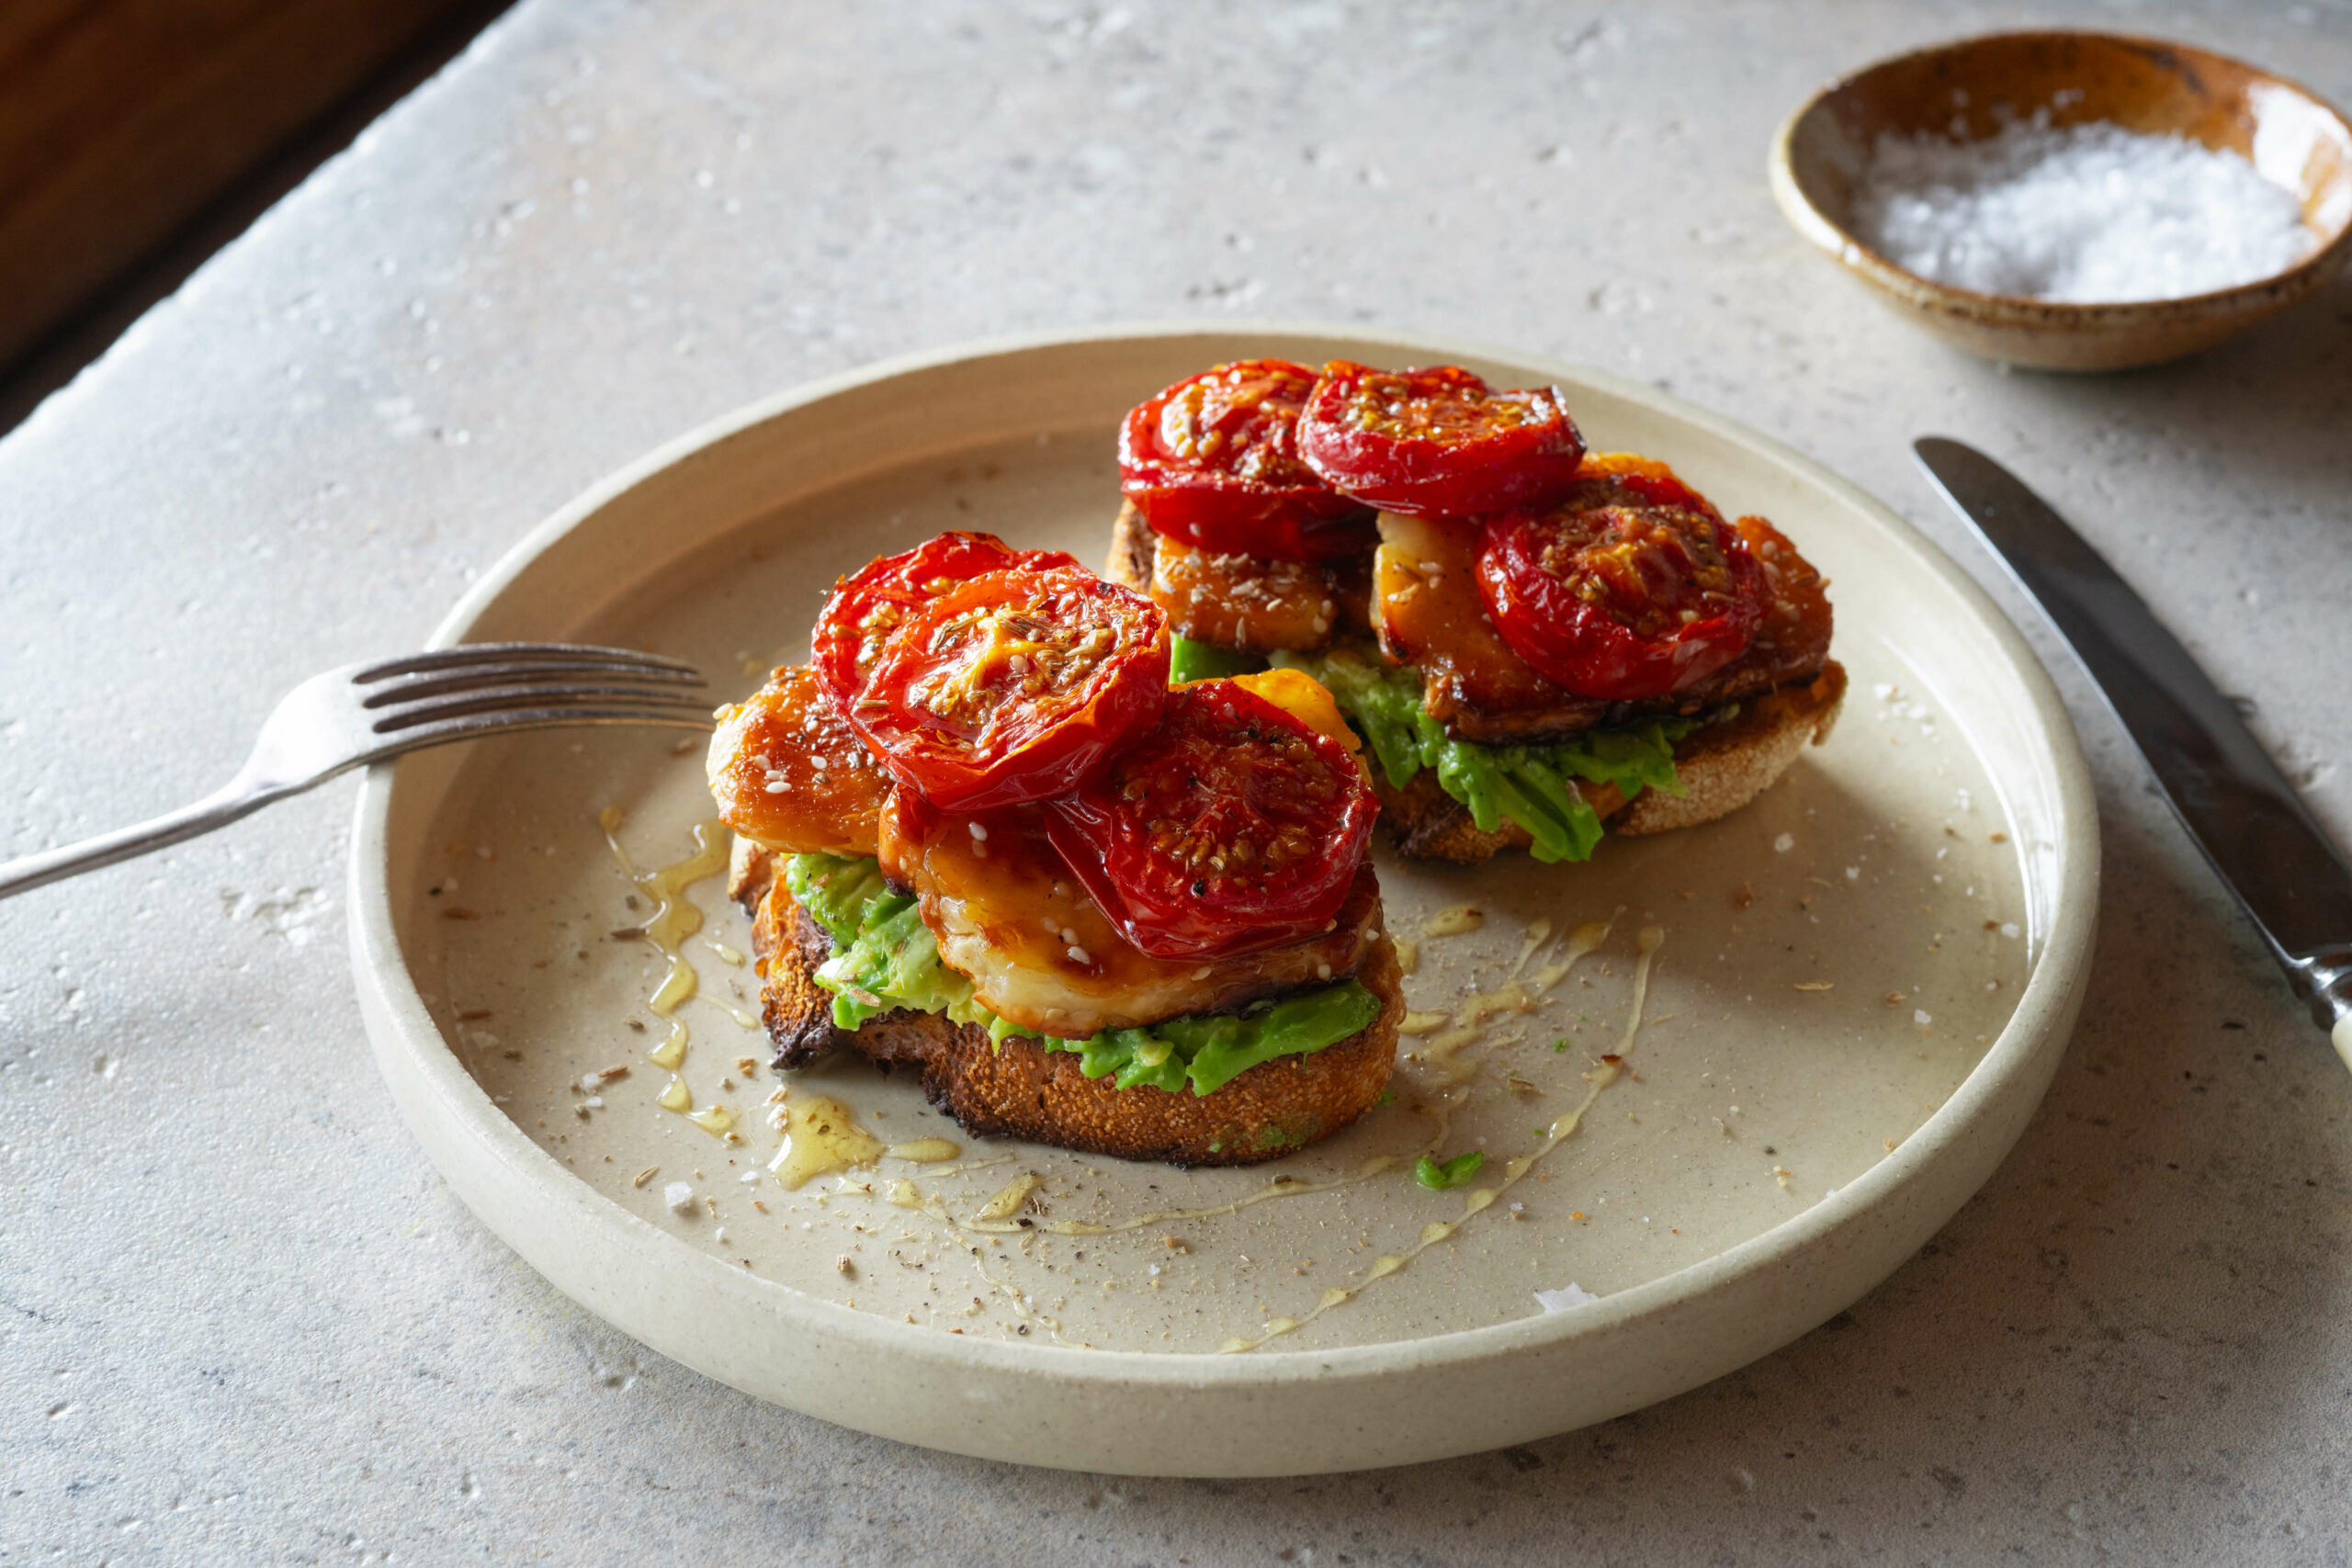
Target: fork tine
[475,653]
[512,720]
[414,688]
[511,699]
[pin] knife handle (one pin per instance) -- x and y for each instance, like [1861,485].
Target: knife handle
[2341,1037]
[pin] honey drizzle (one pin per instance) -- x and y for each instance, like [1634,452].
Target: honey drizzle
[673,1051]
[675,917]
[905,1195]
[820,1136]
[1580,942]
[1604,1073]
[1452,1089]
[1019,1299]
[1267,1194]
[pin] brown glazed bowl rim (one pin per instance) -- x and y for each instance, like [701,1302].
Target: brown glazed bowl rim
[1834,238]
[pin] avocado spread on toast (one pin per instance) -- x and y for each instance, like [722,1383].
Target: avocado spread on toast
[1528,784]
[885,958]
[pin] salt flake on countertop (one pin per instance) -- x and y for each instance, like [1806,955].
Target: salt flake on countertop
[680,1195]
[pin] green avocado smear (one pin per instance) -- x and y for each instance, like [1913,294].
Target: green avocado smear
[1527,785]
[886,958]
[1190,660]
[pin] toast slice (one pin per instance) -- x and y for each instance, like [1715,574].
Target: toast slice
[1017,1089]
[1723,767]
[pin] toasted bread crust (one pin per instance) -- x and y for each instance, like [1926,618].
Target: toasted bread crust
[748,866]
[1132,545]
[1723,767]
[1016,1088]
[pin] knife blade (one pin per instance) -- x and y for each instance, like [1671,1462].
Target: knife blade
[2254,830]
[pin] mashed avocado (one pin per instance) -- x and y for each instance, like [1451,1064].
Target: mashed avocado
[1528,784]
[885,957]
[1193,661]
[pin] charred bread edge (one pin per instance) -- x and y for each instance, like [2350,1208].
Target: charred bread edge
[1017,1089]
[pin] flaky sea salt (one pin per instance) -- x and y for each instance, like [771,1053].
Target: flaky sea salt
[2086,213]
[1569,1295]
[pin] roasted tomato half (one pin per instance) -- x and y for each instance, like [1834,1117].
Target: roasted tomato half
[1012,686]
[1635,587]
[1437,443]
[1232,828]
[1213,461]
[868,605]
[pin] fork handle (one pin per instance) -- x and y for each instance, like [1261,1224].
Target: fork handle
[238,797]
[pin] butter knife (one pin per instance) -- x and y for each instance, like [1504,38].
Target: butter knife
[2255,830]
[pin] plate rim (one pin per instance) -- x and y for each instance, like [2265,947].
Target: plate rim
[2037,1028]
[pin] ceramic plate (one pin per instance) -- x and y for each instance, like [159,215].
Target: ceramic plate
[1855,993]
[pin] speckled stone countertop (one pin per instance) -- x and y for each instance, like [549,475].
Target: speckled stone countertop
[240,1319]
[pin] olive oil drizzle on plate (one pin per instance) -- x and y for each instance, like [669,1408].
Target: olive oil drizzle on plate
[1603,1073]
[675,917]
[1000,1214]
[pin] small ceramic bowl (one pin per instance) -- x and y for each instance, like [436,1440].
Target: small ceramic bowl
[1971,87]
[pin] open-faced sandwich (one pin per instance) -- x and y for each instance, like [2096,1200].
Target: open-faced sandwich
[982,836]
[1533,639]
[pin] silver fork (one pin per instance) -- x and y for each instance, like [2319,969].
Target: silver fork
[365,713]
